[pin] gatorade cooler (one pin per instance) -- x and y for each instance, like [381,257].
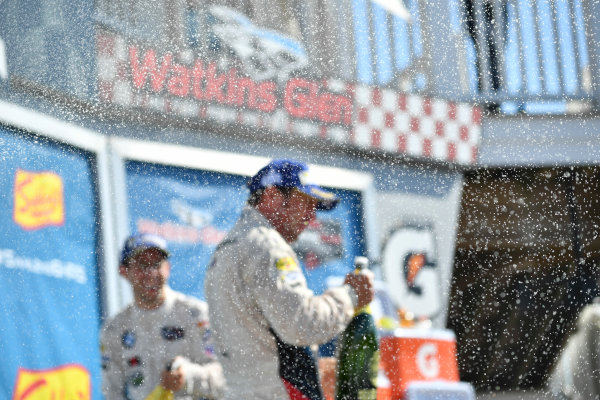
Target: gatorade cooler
[410,355]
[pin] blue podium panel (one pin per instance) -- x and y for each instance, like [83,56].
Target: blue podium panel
[50,308]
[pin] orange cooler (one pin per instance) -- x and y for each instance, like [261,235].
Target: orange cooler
[418,355]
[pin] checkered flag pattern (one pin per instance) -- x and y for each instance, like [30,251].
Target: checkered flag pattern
[416,126]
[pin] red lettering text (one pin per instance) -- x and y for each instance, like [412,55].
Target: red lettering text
[149,66]
[304,99]
[179,83]
[214,84]
[267,99]
[197,77]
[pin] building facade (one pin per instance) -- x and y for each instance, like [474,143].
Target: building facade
[117,117]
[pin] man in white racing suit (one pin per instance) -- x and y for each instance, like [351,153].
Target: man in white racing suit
[576,374]
[162,338]
[263,315]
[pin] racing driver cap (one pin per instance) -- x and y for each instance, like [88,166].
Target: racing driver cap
[137,243]
[292,174]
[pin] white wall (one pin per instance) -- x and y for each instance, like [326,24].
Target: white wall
[397,213]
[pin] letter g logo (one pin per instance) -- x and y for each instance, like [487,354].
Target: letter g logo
[427,360]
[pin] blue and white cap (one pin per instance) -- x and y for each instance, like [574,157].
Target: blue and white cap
[292,174]
[137,243]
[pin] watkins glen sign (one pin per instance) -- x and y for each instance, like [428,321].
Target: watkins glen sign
[203,81]
[269,86]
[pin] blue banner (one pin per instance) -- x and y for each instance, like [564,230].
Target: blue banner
[50,309]
[193,210]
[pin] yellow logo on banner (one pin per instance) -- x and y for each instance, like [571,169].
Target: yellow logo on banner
[39,200]
[286,264]
[69,382]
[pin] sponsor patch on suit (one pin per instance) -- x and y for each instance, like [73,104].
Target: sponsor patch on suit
[172,333]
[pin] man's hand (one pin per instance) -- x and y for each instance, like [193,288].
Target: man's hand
[362,283]
[172,380]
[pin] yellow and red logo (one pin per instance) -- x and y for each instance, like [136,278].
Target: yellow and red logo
[38,199]
[68,382]
[286,264]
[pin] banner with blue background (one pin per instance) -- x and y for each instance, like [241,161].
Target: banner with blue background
[50,309]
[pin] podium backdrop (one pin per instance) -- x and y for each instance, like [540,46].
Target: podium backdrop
[49,304]
[194,209]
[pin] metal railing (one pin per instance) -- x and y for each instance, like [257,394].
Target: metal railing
[524,55]
[527,52]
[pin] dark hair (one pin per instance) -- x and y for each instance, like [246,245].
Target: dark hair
[255,196]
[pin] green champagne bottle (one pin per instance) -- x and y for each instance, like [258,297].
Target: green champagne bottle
[358,354]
